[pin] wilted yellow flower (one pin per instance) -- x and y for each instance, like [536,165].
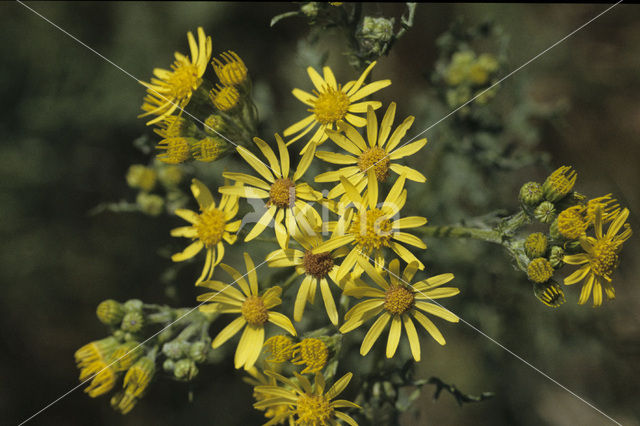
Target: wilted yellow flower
[208,228]
[172,89]
[331,102]
[397,302]
[254,312]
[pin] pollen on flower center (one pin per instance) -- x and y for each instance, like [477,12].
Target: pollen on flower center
[378,159]
[176,150]
[604,258]
[282,193]
[311,352]
[317,265]
[572,223]
[183,80]
[210,226]
[398,300]
[313,409]
[254,311]
[330,106]
[371,229]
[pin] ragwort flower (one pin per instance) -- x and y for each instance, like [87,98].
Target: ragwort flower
[254,312]
[600,258]
[309,405]
[284,192]
[208,228]
[379,155]
[397,302]
[172,89]
[331,102]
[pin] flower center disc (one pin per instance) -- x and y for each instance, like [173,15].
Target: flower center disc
[183,80]
[330,106]
[377,159]
[571,222]
[253,311]
[210,227]
[313,410]
[177,151]
[604,258]
[317,265]
[282,193]
[371,230]
[398,300]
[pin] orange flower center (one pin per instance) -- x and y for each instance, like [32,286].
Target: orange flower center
[330,106]
[371,229]
[317,265]
[398,300]
[254,311]
[604,258]
[377,159]
[282,193]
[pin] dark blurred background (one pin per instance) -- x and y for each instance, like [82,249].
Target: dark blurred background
[67,124]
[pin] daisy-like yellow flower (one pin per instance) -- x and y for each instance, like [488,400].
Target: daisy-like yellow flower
[259,379]
[284,192]
[208,228]
[254,309]
[331,102]
[379,155]
[397,302]
[307,404]
[370,229]
[600,258]
[317,269]
[172,89]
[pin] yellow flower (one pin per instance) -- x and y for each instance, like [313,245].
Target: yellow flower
[572,222]
[208,149]
[610,208]
[139,176]
[331,102]
[370,229]
[225,98]
[172,89]
[284,192]
[311,352]
[539,270]
[398,301]
[232,71]
[170,127]
[139,376]
[259,379]
[600,258]
[559,183]
[253,308]
[280,347]
[176,150]
[315,267]
[209,228]
[104,378]
[377,156]
[310,405]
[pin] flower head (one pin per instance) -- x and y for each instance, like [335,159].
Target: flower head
[225,98]
[600,258]
[309,405]
[398,301]
[209,228]
[282,189]
[371,229]
[379,155]
[230,69]
[312,353]
[209,149]
[559,183]
[253,310]
[172,89]
[331,102]
[280,347]
[176,150]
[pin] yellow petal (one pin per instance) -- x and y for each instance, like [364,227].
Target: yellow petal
[251,273]
[248,179]
[344,142]
[284,156]
[408,149]
[336,158]
[412,334]
[356,85]
[437,310]
[269,155]
[306,98]
[188,215]
[254,347]
[385,125]
[577,276]
[429,326]
[329,303]
[244,191]
[184,231]
[333,244]
[263,222]
[202,194]
[305,161]
[395,331]
[369,89]
[372,127]
[406,238]
[409,222]
[191,250]
[301,298]
[282,322]
[373,333]
[228,332]
[338,386]
[399,133]
[355,120]
[330,78]
[256,163]
[316,79]
[586,290]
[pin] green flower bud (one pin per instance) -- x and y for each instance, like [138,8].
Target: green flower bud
[133,305]
[531,194]
[310,9]
[170,176]
[559,184]
[119,334]
[214,125]
[168,365]
[535,245]
[185,369]
[198,352]
[129,337]
[555,258]
[539,270]
[549,293]
[173,350]
[110,312]
[133,322]
[554,232]
[150,204]
[545,212]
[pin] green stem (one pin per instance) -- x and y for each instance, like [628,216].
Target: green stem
[452,231]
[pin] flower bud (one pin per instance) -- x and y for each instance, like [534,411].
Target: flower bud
[139,376]
[545,212]
[559,184]
[172,350]
[170,176]
[142,177]
[110,312]
[133,305]
[168,365]
[209,149]
[125,355]
[214,125]
[150,204]
[132,322]
[554,233]
[198,352]
[535,245]
[531,194]
[280,347]
[555,258]
[539,270]
[549,293]
[185,369]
